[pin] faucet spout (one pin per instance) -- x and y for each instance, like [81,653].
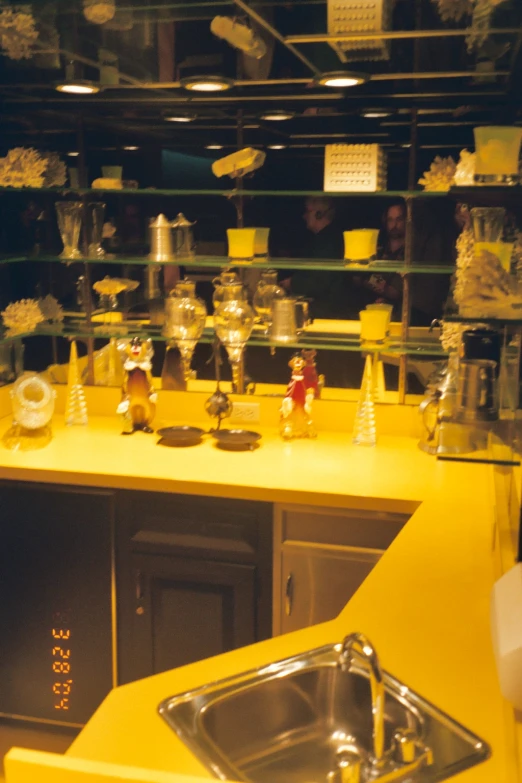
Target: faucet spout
[359,644]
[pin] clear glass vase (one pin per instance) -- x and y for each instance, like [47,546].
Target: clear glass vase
[95,213]
[267,290]
[185,318]
[69,215]
[233,323]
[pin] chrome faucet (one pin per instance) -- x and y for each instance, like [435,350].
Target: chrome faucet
[358,643]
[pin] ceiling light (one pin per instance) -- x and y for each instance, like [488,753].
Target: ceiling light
[180,117]
[73,154]
[213,146]
[376,113]
[206,83]
[276,146]
[406,146]
[276,115]
[341,79]
[131,149]
[78,87]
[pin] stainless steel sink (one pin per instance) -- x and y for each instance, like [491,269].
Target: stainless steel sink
[298,720]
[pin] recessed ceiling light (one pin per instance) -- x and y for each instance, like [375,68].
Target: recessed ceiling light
[213,146]
[179,117]
[276,146]
[375,113]
[131,149]
[78,87]
[73,154]
[206,83]
[341,79]
[406,146]
[276,115]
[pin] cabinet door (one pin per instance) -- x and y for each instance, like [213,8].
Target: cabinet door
[184,610]
[317,582]
[56,660]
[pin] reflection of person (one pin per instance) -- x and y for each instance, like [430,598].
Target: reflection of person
[323,240]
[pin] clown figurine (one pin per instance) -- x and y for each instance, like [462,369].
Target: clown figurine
[296,409]
[138,404]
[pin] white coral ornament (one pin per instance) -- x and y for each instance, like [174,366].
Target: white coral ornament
[465,171]
[22,316]
[440,175]
[22,168]
[453,10]
[17,33]
[51,309]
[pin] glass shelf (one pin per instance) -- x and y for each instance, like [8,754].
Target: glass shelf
[460,319]
[77,329]
[488,195]
[310,264]
[230,192]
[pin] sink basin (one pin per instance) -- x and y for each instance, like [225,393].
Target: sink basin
[290,721]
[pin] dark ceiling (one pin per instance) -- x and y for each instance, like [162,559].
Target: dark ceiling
[430,81]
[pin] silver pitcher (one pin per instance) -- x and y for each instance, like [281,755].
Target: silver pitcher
[183,238]
[161,240]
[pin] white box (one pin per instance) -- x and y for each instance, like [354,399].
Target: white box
[354,168]
[360,16]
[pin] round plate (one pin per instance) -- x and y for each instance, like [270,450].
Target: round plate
[180,436]
[236,440]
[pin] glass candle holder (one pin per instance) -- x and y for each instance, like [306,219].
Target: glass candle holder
[502,250]
[241,243]
[487,223]
[498,150]
[374,324]
[360,245]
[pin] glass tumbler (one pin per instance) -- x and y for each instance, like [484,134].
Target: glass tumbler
[241,243]
[94,215]
[487,223]
[498,150]
[69,215]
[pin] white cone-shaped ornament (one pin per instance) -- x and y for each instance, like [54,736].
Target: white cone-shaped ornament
[364,429]
[75,406]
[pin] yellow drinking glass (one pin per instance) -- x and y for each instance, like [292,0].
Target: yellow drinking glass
[261,242]
[385,308]
[374,324]
[498,150]
[241,243]
[360,245]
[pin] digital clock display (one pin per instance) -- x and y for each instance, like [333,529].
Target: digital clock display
[61,661]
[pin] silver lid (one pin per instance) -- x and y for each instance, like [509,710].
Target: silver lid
[181,221]
[159,222]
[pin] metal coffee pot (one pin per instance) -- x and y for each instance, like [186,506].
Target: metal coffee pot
[182,237]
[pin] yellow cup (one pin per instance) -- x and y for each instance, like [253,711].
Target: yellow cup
[241,243]
[360,245]
[374,324]
[385,308]
[502,250]
[498,150]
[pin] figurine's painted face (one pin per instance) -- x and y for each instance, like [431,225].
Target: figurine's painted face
[296,363]
[135,348]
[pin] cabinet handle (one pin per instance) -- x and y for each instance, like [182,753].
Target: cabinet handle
[139,586]
[289,594]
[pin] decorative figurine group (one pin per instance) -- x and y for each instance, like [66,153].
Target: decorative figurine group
[138,404]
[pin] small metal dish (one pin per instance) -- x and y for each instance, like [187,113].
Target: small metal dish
[236,440]
[180,436]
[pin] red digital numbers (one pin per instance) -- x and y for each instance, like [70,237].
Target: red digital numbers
[61,665]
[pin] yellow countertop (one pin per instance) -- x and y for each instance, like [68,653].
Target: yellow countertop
[425,605]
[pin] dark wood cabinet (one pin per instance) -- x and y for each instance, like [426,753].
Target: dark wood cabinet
[56,610]
[194,579]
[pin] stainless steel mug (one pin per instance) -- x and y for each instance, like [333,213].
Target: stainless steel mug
[477,392]
[284,327]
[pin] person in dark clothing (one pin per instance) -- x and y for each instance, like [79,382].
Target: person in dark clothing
[322,241]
